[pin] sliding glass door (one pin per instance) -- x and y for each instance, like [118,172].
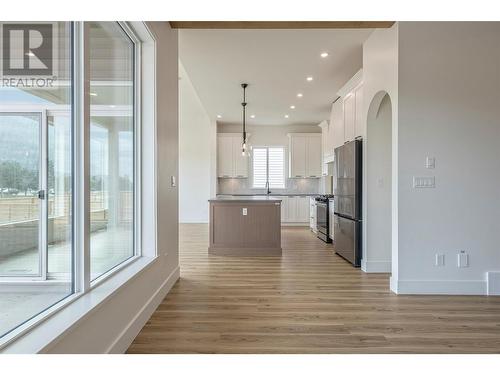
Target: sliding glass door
[36,170]
[69,162]
[22,194]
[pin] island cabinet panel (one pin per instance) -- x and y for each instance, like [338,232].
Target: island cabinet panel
[245,228]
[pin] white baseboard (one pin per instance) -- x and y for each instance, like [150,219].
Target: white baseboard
[377,266]
[445,287]
[493,281]
[393,284]
[127,336]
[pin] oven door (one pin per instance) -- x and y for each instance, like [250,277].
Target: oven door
[322,217]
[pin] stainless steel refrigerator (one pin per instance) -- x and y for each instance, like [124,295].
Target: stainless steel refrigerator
[347,199]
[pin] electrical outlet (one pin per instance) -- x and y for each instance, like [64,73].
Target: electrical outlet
[244,211]
[462,259]
[424,182]
[439,260]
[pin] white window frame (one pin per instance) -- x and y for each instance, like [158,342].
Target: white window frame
[137,158]
[267,147]
[145,250]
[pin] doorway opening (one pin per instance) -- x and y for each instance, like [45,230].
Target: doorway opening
[378,239]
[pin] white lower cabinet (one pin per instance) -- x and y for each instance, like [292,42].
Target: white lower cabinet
[312,215]
[331,210]
[295,209]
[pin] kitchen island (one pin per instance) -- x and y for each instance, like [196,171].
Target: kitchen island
[245,226]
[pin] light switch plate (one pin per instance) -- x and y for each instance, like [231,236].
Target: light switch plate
[244,211]
[430,162]
[463,259]
[439,260]
[424,182]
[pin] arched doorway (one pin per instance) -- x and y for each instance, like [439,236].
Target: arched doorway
[377,249]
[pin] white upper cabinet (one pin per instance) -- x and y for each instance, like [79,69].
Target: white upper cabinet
[305,155]
[298,155]
[337,124]
[230,162]
[326,145]
[349,117]
[314,157]
[346,118]
[224,156]
[359,121]
[240,162]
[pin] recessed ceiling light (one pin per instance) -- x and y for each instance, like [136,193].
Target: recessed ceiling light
[31,54]
[324,54]
[299,95]
[93,94]
[286,116]
[252,116]
[309,79]
[292,107]
[219,116]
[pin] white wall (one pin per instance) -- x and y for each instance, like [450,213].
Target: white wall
[197,148]
[377,257]
[380,76]
[449,109]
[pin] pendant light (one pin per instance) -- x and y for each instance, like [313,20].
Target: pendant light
[244,104]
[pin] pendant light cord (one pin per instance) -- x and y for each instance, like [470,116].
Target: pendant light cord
[244,104]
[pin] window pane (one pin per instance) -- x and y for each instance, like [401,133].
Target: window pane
[269,166]
[20,207]
[59,195]
[35,155]
[276,167]
[111,147]
[259,167]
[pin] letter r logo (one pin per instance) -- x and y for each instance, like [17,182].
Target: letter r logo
[27,49]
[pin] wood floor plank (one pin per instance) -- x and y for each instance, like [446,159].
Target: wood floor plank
[308,301]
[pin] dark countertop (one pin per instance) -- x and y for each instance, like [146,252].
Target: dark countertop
[250,198]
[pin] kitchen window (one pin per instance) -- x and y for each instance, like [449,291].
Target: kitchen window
[268,167]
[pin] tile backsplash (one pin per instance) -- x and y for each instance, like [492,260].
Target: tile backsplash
[293,186]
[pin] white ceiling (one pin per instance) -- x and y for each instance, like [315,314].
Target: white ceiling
[275,64]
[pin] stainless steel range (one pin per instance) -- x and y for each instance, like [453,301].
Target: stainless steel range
[322,217]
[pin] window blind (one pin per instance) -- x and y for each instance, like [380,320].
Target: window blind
[269,165]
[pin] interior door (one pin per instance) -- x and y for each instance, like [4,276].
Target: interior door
[23,192]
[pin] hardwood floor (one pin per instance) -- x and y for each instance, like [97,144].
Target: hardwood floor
[308,301]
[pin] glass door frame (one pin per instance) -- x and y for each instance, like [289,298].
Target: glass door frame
[42,189]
